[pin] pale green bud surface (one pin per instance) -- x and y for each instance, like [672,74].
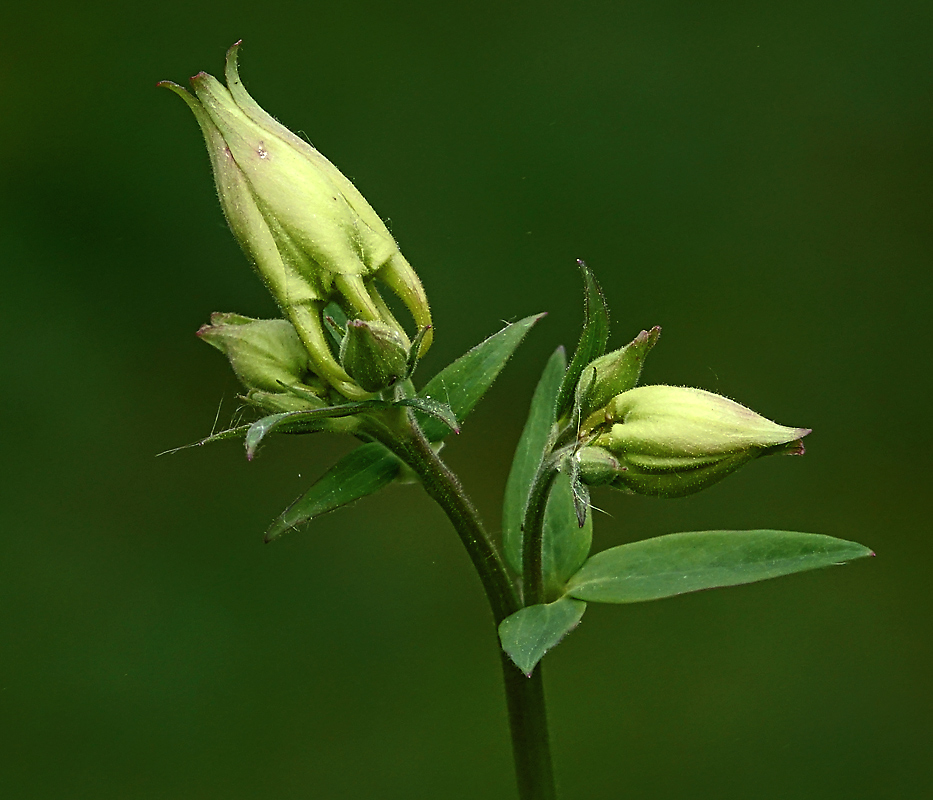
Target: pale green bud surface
[373,354]
[672,441]
[597,465]
[309,233]
[266,354]
[615,372]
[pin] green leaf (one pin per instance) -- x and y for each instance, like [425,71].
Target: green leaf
[462,384]
[360,473]
[335,323]
[528,634]
[303,421]
[434,408]
[687,562]
[414,352]
[592,340]
[237,432]
[528,456]
[566,543]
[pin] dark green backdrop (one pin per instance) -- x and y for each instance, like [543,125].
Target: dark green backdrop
[756,178]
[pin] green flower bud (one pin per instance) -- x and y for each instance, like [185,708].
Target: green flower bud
[597,466]
[615,372]
[373,354]
[308,231]
[266,354]
[671,441]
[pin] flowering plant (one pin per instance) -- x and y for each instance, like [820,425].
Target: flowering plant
[339,360]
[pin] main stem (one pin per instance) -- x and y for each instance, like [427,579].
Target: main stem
[524,696]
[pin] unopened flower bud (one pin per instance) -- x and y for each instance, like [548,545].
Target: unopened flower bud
[672,441]
[310,234]
[373,354]
[615,372]
[266,354]
[597,466]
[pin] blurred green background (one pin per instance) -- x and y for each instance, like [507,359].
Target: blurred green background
[756,178]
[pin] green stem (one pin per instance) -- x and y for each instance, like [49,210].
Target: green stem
[524,696]
[531,747]
[533,532]
[406,441]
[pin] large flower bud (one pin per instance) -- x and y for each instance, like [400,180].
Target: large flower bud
[672,441]
[309,233]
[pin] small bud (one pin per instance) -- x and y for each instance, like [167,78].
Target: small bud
[671,441]
[597,466]
[615,372]
[308,231]
[373,354]
[266,354]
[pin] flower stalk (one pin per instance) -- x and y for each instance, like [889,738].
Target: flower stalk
[525,700]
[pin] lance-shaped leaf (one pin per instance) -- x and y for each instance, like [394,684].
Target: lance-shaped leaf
[462,384]
[302,421]
[592,340]
[528,456]
[236,432]
[414,352]
[433,408]
[565,543]
[528,634]
[687,562]
[310,421]
[360,473]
